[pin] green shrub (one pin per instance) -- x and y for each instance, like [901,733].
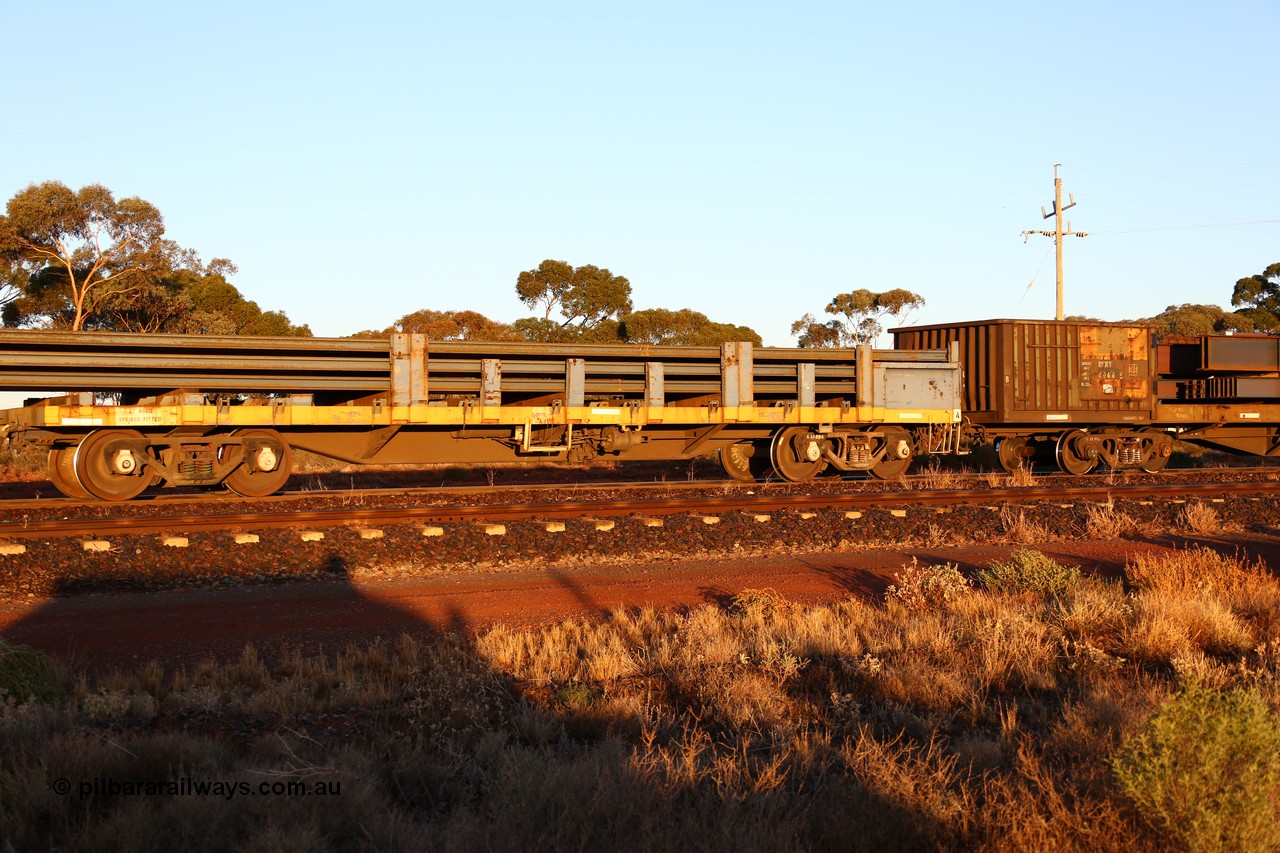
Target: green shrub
[26,675]
[1206,770]
[1030,571]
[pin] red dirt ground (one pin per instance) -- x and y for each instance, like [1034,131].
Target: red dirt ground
[181,627]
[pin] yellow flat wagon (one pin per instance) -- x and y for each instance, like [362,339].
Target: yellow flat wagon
[132,411]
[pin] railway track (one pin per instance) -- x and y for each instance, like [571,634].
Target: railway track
[741,501]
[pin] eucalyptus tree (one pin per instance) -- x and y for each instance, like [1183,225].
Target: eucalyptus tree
[857,317]
[71,251]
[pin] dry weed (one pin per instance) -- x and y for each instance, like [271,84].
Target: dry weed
[1001,479]
[923,801]
[1034,808]
[1022,478]
[1001,646]
[829,631]
[760,605]
[1095,612]
[1166,627]
[934,477]
[1104,521]
[570,651]
[920,587]
[1095,723]
[1202,518]
[936,535]
[1197,569]
[1018,529]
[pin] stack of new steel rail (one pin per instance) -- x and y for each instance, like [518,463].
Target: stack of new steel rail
[93,361]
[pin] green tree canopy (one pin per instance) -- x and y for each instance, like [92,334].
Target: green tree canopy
[450,326]
[684,327]
[588,298]
[191,299]
[858,317]
[13,278]
[1194,320]
[69,252]
[81,260]
[1258,298]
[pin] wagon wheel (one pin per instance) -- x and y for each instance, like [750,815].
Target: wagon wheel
[1069,458]
[1161,450]
[746,461]
[1013,454]
[897,457]
[106,469]
[795,456]
[63,473]
[268,466]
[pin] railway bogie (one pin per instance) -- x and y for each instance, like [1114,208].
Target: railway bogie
[1081,450]
[118,464]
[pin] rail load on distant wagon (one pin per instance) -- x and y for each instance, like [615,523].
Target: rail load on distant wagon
[1088,394]
[137,410]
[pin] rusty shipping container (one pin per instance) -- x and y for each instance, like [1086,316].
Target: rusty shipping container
[1046,372]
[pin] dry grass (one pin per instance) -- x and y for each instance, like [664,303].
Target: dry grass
[1197,570]
[1167,628]
[934,477]
[949,718]
[1022,478]
[1202,518]
[1196,602]
[23,464]
[919,587]
[1104,521]
[1020,530]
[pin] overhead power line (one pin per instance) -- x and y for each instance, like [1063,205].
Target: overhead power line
[1186,227]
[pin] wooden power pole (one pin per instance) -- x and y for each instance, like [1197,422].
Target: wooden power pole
[1057,233]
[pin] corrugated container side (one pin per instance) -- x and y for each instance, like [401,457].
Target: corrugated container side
[1036,370]
[1042,377]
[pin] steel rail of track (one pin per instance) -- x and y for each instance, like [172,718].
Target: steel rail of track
[493,513]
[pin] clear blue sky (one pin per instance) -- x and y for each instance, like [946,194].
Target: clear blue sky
[747,160]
